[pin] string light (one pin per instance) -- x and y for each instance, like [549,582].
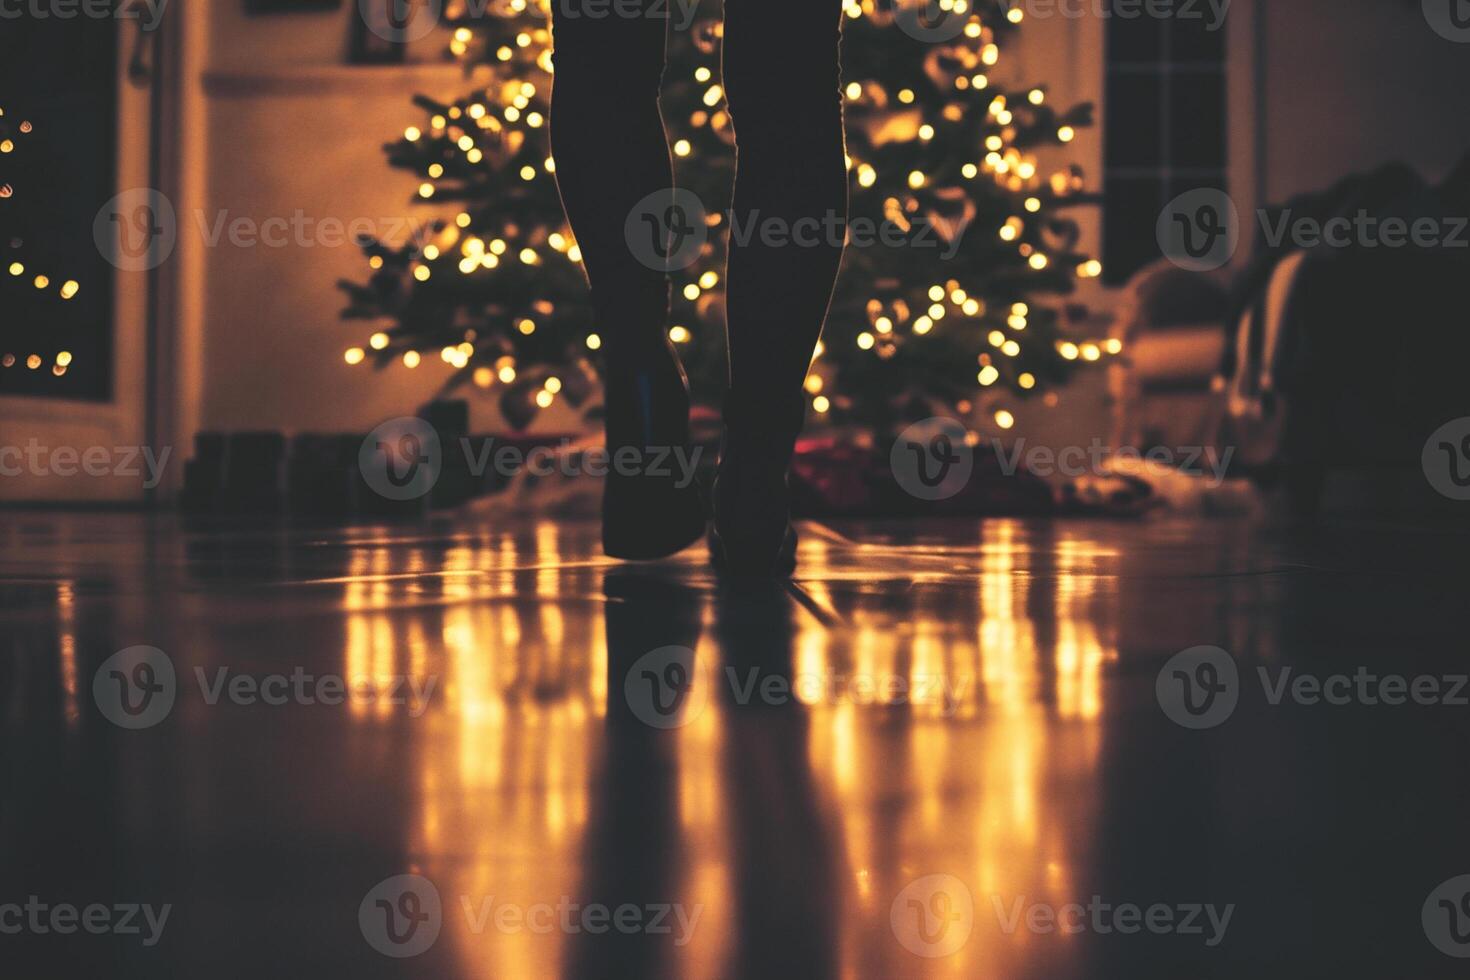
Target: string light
[501,117]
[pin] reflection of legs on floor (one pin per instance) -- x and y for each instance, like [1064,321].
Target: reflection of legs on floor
[632,853]
[783,853]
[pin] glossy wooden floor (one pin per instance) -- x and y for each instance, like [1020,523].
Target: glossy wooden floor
[1042,772]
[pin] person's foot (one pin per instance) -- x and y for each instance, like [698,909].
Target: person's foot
[652,510]
[752,535]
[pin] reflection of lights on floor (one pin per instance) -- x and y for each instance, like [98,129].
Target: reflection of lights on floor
[942,693]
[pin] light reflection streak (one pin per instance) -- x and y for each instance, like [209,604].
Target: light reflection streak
[993,750]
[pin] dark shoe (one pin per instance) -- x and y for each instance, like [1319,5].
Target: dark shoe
[650,515]
[752,535]
[757,561]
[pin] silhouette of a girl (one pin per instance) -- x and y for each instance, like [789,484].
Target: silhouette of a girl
[782,82]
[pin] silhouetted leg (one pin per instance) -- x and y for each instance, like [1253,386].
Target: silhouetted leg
[608,139]
[782,79]
[611,152]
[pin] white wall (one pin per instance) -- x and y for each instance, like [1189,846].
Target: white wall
[289,127]
[273,341]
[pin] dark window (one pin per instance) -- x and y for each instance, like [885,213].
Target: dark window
[58,91]
[1164,128]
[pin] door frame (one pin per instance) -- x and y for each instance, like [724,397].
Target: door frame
[132,419]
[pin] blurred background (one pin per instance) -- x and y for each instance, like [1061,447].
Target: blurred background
[256,229]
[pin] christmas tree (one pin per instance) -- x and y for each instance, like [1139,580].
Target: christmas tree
[953,290]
